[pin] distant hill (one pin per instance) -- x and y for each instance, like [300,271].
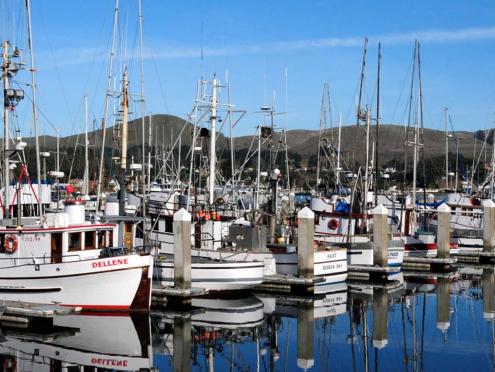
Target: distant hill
[391,140]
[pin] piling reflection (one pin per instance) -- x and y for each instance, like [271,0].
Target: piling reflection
[488,284]
[409,326]
[443,304]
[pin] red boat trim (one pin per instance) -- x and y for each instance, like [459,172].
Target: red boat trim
[142,298]
[420,246]
[70,275]
[100,307]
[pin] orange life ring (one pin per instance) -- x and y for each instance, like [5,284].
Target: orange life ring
[11,244]
[333,224]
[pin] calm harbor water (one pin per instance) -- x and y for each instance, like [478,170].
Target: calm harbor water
[420,324]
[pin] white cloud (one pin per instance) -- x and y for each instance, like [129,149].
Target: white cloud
[160,52]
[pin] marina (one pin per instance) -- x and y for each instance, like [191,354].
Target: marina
[293,234]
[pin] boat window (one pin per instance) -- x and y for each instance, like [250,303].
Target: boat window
[101,239]
[75,241]
[2,243]
[89,239]
[110,239]
[169,225]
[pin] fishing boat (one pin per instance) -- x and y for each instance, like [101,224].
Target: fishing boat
[334,224]
[67,260]
[61,258]
[213,275]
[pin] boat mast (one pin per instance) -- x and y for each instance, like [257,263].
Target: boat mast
[123,149]
[377,122]
[35,113]
[86,144]
[6,140]
[323,128]
[150,139]
[105,111]
[143,138]
[258,174]
[421,127]
[446,148]
[338,152]
[492,182]
[213,139]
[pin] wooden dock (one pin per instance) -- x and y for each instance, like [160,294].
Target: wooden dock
[371,273]
[289,283]
[434,264]
[26,312]
[475,257]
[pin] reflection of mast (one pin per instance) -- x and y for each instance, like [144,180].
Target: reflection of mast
[365,328]
[404,338]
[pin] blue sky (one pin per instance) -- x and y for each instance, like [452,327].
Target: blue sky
[317,41]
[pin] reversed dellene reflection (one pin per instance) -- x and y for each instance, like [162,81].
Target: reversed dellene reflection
[305,336]
[443,304]
[488,287]
[182,344]
[380,317]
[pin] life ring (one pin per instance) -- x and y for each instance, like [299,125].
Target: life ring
[333,224]
[11,244]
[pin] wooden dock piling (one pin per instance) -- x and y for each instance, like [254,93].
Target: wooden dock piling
[305,239]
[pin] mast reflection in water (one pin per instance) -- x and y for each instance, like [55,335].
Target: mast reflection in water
[443,322]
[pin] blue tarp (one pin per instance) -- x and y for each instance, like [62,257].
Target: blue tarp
[342,207]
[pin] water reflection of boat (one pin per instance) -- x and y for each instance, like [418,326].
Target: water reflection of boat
[113,342]
[322,305]
[203,332]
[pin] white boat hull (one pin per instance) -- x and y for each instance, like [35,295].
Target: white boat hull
[215,276]
[114,283]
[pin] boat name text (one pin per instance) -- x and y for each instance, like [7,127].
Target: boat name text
[114,262]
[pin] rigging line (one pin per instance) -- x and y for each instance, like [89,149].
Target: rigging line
[160,85]
[57,71]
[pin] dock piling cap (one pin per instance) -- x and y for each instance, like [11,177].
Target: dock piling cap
[443,208]
[182,215]
[488,203]
[380,344]
[380,209]
[305,363]
[306,213]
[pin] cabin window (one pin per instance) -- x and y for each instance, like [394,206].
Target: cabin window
[101,239]
[110,239]
[169,225]
[2,243]
[75,241]
[89,240]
